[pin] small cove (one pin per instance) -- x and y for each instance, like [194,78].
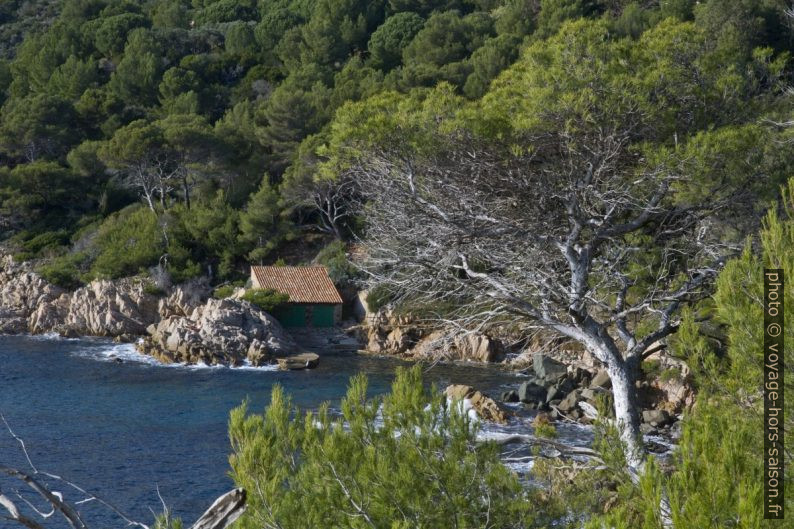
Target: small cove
[126,428]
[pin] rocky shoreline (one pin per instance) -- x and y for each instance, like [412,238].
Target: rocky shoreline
[188,326]
[184,326]
[565,382]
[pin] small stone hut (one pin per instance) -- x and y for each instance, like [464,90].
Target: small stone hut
[313,298]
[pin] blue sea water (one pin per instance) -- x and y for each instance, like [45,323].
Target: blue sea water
[125,429]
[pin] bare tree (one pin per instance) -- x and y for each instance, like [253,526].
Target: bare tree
[578,236]
[333,199]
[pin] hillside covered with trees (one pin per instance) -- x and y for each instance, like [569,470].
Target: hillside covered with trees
[198,126]
[614,172]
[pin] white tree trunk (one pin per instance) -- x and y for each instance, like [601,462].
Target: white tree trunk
[627,413]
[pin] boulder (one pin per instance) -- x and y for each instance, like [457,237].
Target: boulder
[655,418]
[21,292]
[601,380]
[590,394]
[560,389]
[472,347]
[386,332]
[568,404]
[101,308]
[647,429]
[588,410]
[222,331]
[184,298]
[677,392]
[546,368]
[530,392]
[510,396]
[299,361]
[486,408]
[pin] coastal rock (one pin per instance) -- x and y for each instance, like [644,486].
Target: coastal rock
[101,308]
[568,404]
[601,380]
[656,418]
[530,392]
[485,407]
[677,393]
[386,332]
[560,389]
[510,396]
[184,298]
[473,347]
[21,292]
[222,331]
[299,361]
[546,368]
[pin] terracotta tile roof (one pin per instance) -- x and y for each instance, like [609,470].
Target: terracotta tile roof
[304,284]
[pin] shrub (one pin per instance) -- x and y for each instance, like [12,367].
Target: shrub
[153,290]
[223,291]
[64,271]
[128,241]
[378,297]
[674,373]
[420,466]
[651,368]
[50,240]
[334,258]
[266,299]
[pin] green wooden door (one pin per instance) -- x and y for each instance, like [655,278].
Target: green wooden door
[291,315]
[323,316]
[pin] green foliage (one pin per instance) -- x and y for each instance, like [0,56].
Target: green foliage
[545,431]
[111,35]
[128,242]
[554,13]
[378,297]
[37,126]
[153,290]
[651,368]
[49,240]
[420,468]
[334,258]
[265,298]
[206,234]
[166,521]
[223,292]
[261,226]
[440,49]
[66,271]
[387,43]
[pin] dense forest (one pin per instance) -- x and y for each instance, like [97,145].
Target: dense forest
[214,115]
[608,170]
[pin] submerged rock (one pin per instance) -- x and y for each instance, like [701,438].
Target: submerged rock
[510,396]
[222,331]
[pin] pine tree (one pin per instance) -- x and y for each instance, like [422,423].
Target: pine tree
[401,461]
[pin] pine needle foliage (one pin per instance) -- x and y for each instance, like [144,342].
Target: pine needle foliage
[399,461]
